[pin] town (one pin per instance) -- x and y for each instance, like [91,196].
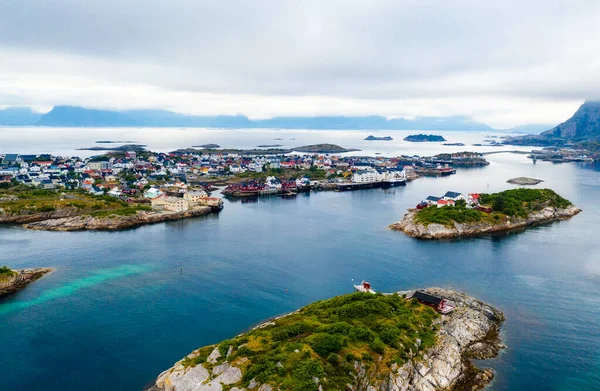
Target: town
[174,181]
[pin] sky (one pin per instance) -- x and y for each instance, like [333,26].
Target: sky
[505,63]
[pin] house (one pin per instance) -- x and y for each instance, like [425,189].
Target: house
[454,196]
[101,165]
[158,202]
[365,176]
[473,199]
[176,204]
[432,200]
[11,158]
[441,203]
[195,196]
[442,306]
[152,193]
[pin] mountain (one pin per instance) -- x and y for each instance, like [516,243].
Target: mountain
[84,117]
[164,118]
[529,128]
[583,125]
[79,116]
[18,116]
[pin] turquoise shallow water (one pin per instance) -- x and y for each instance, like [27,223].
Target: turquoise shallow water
[119,309]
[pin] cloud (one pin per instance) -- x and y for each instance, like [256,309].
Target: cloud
[500,61]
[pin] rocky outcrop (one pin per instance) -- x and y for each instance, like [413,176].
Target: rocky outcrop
[113,222]
[20,279]
[524,181]
[470,331]
[34,217]
[409,226]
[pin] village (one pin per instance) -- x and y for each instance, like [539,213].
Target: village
[177,180]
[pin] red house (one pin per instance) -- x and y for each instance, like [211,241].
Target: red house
[442,306]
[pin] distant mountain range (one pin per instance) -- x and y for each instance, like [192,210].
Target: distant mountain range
[73,116]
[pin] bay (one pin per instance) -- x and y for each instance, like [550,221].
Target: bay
[124,306]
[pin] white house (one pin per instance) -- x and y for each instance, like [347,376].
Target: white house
[365,176]
[454,196]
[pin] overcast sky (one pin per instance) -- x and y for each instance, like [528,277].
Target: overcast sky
[501,62]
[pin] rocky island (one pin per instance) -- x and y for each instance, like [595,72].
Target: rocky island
[67,210]
[524,181]
[207,146]
[13,280]
[323,148]
[420,138]
[354,342]
[505,211]
[373,138]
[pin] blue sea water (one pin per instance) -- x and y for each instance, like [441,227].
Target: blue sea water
[122,307]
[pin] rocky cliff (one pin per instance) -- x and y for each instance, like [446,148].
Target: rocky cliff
[583,125]
[409,226]
[20,278]
[471,331]
[113,222]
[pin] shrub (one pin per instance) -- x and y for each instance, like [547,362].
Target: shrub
[389,335]
[324,344]
[377,346]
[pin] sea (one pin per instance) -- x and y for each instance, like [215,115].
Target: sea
[124,306]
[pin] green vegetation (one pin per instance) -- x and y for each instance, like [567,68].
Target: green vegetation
[324,339]
[447,215]
[520,202]
[25,200]
[6,273]
[513,203]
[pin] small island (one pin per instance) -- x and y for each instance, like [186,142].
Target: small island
[524,181]
[373,138]
[115,142]
[76,210]
[14,280]
[454,144]
[207,146]
[323,148]
[420,138]
[269,146]
[455,215]
[126,147]
[355,342]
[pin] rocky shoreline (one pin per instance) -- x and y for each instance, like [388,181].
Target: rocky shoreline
[108,223]
[471,331]
[409,226]
[21,279]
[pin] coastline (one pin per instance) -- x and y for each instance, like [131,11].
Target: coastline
[469,332]
[438,231]
[21,279]
[112,222]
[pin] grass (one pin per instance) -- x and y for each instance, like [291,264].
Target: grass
[324,339]
[31,201]
[6,273]
[512,203]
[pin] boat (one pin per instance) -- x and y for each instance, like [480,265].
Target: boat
[364,287]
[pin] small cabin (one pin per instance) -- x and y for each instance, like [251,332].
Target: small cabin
[364,287]
[442,306]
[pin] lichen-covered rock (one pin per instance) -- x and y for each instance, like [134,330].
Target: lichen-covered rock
[409,226]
